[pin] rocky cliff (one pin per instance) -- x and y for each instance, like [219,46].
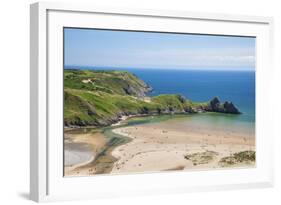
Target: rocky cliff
[226,107]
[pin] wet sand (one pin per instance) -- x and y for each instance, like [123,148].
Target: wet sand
[77,153]
[80,150]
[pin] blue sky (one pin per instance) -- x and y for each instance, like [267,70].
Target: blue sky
[105,48]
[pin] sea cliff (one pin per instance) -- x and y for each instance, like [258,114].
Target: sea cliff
[101,98]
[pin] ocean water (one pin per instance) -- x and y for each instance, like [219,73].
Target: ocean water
[201,85]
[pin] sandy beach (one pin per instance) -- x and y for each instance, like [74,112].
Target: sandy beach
[160,146]
[163,146]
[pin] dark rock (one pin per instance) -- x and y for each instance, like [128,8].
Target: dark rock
[229,107]
[144,110]
[91,112]
[129,90]
[226,107]
[158,110]
[215,104]
[181,98]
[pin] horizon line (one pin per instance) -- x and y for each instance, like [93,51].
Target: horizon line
[151,68]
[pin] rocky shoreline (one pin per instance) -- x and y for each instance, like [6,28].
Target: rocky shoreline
[214,106]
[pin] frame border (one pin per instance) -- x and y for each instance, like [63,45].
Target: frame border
[39,188]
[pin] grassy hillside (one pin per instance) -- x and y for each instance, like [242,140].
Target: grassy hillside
[111,82]
[100,98]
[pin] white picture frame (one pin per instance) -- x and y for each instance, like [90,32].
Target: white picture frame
[46,178]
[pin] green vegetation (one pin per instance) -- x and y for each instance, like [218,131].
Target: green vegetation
[201,157]
[100,98]
[239,157]
[111,82]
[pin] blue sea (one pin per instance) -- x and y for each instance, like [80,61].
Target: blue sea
[203,85]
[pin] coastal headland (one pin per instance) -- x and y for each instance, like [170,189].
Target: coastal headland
[99,107]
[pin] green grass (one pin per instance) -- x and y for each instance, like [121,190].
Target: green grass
[238,158]
[172,102]
[99,98]
[112,82]
[201,157]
